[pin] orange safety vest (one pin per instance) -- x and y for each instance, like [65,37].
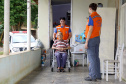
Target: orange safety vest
[97,21]
[64,31]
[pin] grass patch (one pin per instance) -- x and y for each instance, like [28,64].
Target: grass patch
[1,53]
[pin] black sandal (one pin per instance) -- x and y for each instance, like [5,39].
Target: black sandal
[62,70]
[58,70]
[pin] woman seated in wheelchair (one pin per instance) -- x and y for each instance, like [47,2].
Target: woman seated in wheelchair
[61,47]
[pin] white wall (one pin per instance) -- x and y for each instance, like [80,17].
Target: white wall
[122,30]
[80,14]
[43,22]
[112,3]
[14,67]
[122,34]
[107,38]
[79,11]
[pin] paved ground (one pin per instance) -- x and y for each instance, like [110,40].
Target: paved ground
[43,75]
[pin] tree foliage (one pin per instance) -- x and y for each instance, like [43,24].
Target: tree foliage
[18,13]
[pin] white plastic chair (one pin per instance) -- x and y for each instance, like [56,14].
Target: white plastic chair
[116,64]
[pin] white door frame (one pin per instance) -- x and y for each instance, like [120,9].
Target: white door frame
[49,24]
[71,19]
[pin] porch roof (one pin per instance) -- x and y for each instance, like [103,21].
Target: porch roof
[56,2]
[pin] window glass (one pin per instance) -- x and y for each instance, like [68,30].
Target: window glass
[21,39]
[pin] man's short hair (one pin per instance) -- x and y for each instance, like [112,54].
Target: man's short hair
[62,18]
[93,6]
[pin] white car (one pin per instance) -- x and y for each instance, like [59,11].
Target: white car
[18,41]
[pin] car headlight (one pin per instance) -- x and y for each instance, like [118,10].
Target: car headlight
[16,49]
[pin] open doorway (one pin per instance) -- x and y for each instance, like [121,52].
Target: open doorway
[60,8]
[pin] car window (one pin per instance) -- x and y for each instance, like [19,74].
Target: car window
[21,39]
[9,39]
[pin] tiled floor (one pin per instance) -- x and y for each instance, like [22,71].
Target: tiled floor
[43,75]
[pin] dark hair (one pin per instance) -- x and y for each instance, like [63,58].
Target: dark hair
[93,6]
[62,18]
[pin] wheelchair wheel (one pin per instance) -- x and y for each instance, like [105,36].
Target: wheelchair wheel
[51,59]
[52,69]
[69,69]
[70,60]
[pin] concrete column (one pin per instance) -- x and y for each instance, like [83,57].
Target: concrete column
[71,19]
[28,24]
[51,23]
[6,26]
[43,22]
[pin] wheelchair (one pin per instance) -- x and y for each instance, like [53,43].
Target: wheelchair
[53,60]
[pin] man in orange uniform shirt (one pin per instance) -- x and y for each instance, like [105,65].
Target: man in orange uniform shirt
[92,33]
[64,29]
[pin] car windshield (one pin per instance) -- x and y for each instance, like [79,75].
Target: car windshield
[21,39]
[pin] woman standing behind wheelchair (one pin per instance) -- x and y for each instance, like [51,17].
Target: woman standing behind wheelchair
[61,47]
